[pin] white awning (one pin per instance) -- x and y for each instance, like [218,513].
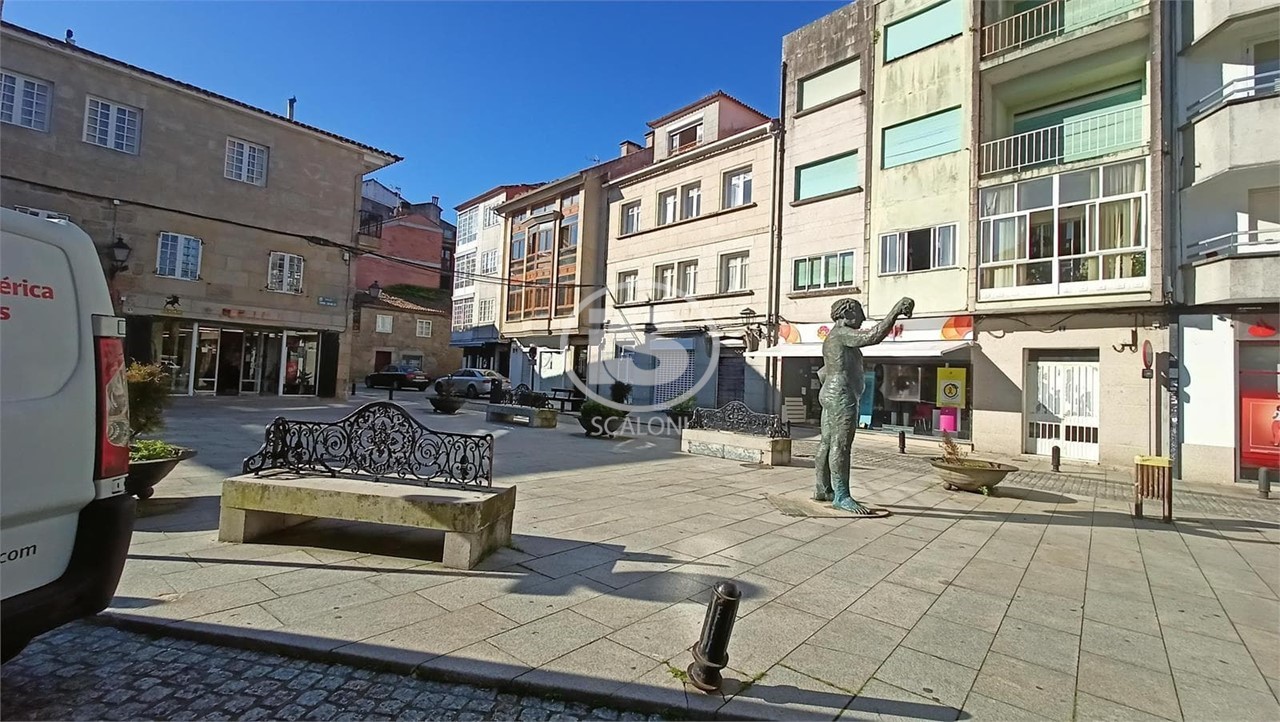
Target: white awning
[892,349]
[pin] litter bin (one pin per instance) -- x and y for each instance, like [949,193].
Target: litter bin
[1153,479]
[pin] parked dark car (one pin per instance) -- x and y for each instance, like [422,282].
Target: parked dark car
[471,383]
[397,376]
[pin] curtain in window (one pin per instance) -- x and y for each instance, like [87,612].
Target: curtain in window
[1119,224]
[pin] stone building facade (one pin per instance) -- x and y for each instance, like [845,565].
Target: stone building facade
[237,218]
[387,329]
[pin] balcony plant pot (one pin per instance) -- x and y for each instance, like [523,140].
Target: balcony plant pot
[970,474]
[144,475]
[447,404]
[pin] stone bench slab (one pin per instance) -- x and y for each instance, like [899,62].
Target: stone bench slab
[475,522]
[737,447]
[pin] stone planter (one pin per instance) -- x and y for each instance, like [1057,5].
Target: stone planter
[603,426]
[447,404]
[972,475]
[144,475]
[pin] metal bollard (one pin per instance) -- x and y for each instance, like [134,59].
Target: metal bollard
[1055,459]
[353,388]
[711,653]
[902,442]
[391,393]
[1264,483]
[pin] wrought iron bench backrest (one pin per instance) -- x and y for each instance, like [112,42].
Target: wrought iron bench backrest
[522,395]
[738,417]
[380,439]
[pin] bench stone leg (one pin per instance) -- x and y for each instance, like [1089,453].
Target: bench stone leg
[464,551]
[242,525]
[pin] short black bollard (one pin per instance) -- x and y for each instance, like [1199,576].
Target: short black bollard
[391,393]
[902,442]
[1055,459]
[1264,483]
[495,392]
[711,653]
[353,388]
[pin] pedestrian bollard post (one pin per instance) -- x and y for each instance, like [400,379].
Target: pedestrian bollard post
[1264,483]
[1055,459]
[391,393]
[902,442]
[711,653]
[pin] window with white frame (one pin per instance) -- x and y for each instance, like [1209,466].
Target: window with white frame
[178,256]
[664,281]
[832,270]
[284,273]
[467,226]
[627,281]
[1079,232]
[685,137]
[691,201]
[631,217]
[383,323]
[573,199]
[737,188]
[246,162]
[667,207]
[111,125]
[733,272]
[489,263]
[462,313]
[486,310]
[424,328]
[464,271]
[921,249]
[687,279]
[490,213]
[24,101]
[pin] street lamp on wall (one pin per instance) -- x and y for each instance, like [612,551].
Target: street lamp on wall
[375,291]
[120,252]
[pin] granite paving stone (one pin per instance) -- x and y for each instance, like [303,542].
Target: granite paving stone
[936,679]
[1138,687]
[1028,686]
[950,641]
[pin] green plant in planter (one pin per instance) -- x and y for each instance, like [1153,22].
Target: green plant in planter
[682,410]
[599,419]
[619,392]
[148,398]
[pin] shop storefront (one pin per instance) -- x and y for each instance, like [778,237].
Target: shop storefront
[1258,383]
[918,380]
[219,359]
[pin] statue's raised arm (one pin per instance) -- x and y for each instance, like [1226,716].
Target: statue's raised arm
[853,336]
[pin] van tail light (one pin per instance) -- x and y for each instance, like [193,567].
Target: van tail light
[113,409]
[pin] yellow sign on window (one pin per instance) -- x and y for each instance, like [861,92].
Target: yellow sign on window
[951,387]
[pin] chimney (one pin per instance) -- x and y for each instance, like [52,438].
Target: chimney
[435,200]
[289,112]
[627,147]
[648,139]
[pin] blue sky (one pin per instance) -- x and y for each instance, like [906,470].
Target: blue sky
[472,94]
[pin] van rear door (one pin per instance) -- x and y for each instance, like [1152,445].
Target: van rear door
[52,299]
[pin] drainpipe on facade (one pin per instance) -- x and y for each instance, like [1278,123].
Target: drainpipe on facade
[1172,212]
[773,364]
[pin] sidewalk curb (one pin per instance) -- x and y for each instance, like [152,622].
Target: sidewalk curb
[270,641]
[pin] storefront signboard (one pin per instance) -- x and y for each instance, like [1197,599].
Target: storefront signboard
[939,328]
[951,383]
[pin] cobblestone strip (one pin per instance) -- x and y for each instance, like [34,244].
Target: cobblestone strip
[88,672]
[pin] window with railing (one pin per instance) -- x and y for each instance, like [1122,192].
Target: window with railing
[1080,232]
[1046,20]
[1086,127]
[1261,85]
[370,224]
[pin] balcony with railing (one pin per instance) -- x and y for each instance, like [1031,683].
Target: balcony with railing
[370,228]
[1048,20]
[1232,128]
[1237,267]
[1089,136]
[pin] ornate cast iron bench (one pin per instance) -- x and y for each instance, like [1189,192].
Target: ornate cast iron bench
[521,402]
[377,465]
[734,431]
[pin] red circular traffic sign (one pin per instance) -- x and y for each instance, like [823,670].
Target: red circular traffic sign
[1148,354]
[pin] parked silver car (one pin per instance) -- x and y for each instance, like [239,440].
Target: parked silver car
[472,383]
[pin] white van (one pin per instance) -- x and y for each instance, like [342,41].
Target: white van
[65,519]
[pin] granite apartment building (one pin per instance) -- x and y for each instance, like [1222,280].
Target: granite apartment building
[236,219]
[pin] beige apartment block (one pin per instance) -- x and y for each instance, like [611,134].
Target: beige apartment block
[824,253]
[556,238]
[689,259]
[1226,239]
[232,215]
